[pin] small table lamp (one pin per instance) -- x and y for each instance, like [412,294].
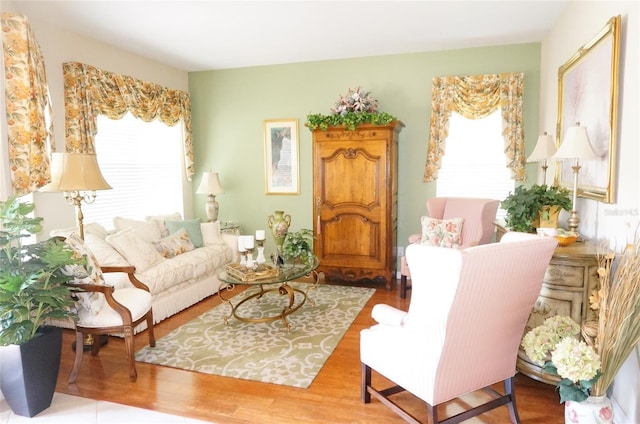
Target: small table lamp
[575,146]
[210,185]
[545,149]
[78,176]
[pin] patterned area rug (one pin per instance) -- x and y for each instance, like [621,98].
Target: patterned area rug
[264,352]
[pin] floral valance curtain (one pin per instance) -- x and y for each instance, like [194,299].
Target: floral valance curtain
[28,106]
[89,91]
[476,96]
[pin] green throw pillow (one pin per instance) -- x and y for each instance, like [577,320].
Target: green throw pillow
[191,225]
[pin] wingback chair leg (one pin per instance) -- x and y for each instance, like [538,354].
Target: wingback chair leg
[365,383]
[403,286]
[73,375]
[432,413]
[509,388]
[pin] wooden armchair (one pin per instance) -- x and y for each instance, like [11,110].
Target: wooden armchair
[104,310]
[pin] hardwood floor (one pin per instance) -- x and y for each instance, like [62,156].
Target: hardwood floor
[333,397]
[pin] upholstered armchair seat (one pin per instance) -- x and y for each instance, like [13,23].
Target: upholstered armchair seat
[477,228]
[103,310]
[462,331]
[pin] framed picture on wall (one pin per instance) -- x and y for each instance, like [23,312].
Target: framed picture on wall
[588,95]
[281,159]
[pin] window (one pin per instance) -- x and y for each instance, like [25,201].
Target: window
[142,161]
[474,164]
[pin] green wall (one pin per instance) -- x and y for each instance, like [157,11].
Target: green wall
[229,107]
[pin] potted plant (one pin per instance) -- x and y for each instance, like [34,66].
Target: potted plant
[355,108]
[299,246]
[33,291]
[524,206]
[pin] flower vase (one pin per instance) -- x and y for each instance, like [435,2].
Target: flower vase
[279,224]
[593,410]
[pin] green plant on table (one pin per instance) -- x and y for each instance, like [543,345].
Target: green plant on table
[33,287]
[523,204]
[298,245]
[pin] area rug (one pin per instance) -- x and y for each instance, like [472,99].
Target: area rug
[264,352]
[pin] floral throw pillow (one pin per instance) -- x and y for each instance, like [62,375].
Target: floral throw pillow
[175,244]
[441,232]
[90,273]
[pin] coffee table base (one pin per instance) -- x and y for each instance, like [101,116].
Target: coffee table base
[284,290]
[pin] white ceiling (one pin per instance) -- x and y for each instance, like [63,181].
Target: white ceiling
[206,35]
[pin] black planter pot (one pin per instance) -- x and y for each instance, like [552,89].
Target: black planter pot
[30,371]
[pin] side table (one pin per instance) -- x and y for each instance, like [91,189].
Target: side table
[570,279]
[230,227]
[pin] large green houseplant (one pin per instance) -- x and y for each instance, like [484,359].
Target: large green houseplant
[33,291]
[525,203]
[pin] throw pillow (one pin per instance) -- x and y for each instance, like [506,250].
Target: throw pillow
[192,226]
[211,233]
[174,244]
[137,251]
[441,232]
[90,273]
[160,221]
[148,231]
[105,254]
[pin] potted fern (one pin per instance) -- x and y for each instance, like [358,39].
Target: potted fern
[33,291]
[528,207]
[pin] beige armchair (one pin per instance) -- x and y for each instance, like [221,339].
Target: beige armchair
[477,227]
[468,311]
[104,310]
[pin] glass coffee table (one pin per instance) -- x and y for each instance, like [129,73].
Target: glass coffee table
[274,284]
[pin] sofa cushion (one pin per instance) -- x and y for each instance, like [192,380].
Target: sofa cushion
[160,221]
[90,228]
[149,231]
[174,244]
[105,254]
[138,252]
[192,226]
[191,265]
[441,232]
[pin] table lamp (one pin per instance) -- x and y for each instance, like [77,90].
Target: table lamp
[575,146]
[545,149]
[210,185]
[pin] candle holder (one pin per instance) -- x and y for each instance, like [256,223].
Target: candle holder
[260,259]
[243,257]
[250,263]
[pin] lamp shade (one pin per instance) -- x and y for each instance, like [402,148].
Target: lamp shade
[545,149]
[576,145]
[75,172]
[210,184]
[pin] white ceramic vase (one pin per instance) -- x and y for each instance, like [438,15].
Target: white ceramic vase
[593,410]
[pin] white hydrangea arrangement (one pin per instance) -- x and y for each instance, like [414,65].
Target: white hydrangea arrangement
[555,346]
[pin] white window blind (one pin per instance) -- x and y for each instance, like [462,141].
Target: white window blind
[142,161]
[474,163]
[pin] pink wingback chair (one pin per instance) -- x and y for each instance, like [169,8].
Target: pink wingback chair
[478,226]
[464,324]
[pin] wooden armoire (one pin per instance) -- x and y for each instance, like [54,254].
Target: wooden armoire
[355,191]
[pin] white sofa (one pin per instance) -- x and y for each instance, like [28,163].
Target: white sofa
[186,273]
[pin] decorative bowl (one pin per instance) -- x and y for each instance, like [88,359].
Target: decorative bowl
[566,240]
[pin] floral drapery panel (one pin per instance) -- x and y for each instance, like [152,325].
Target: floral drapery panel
[89,91]
[476,96]
[28,106]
